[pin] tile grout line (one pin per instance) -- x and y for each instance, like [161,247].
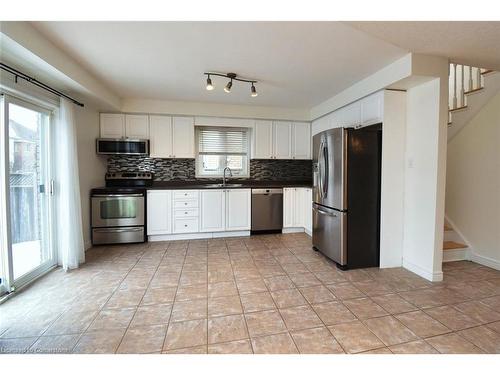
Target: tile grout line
[175,295]
[145,291]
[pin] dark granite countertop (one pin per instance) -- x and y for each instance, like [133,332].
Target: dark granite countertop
[242,184]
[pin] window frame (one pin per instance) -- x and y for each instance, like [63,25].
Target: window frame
[199,157]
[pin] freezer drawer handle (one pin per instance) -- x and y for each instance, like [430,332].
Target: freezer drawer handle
[324,212]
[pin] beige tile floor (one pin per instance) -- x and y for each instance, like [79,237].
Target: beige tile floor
[263,294]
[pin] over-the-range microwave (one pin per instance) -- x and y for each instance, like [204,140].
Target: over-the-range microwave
[122,146]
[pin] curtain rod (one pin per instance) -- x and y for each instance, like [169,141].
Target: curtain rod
[17,74]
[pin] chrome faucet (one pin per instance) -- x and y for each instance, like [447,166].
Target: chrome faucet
[224,175]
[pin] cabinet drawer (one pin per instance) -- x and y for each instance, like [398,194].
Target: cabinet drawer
[185,203]
[188,225]
[185,194]
[189,212]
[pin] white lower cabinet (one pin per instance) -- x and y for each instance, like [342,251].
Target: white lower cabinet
[212,210]
[308,210]
[159,212]
[288,207]
[297,211]
[238,209]
[225,210]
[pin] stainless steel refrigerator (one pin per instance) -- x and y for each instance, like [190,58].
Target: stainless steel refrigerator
[346,195]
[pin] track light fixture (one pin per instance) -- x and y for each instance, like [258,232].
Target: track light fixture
[229,85]
[254,91]
[210,87]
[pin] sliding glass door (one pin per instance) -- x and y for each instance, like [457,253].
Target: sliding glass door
[27,192]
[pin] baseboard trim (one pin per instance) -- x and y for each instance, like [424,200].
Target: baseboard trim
[197,236]
[485,261]
[293,230]
[429,275]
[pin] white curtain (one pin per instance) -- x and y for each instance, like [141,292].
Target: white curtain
[69,210]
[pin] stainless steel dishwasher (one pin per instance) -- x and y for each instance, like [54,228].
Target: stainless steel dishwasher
[267,210]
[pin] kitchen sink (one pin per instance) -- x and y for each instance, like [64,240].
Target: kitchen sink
[224,186]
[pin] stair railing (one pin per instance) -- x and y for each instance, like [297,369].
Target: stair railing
[464,79]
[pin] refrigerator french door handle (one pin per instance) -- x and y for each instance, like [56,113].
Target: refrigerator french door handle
[320,172]
[326,166]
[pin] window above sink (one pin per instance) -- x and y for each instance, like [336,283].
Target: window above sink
[221,147]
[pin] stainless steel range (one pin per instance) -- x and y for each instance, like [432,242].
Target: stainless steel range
[118,210]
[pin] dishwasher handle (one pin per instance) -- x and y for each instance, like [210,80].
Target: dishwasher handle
[267,191]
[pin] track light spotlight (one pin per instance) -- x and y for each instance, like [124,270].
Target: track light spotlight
[210,87]
[254,91]
[228,86]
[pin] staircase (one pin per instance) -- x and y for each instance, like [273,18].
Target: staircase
[454,247]
[470,89]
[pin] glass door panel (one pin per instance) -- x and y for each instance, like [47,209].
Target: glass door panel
[29,199]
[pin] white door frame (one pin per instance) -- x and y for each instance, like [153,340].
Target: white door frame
[5,231]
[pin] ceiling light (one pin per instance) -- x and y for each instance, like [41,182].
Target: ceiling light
[254,91]
[210,87]
[228,86]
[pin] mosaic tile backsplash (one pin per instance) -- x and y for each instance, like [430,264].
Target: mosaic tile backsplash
[184,169]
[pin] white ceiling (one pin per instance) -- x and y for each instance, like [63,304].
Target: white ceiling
[298,64]
[471,43]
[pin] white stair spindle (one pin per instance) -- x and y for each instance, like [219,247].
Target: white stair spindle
[478,74]
[454,86]
[462,90]
[471,81]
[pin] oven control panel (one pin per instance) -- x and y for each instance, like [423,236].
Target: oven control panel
[129,176]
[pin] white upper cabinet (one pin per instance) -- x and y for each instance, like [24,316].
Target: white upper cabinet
[238,213]
[301,140]
[171,137]
[112,125]
[352,115]
[282,139]
[159,212]
[372,109]
[212,210]
[160,131]
[183,137]
[263,140]
[137,126]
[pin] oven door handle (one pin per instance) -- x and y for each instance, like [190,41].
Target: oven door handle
[117,230]
[116,195]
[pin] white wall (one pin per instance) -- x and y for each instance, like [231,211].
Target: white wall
[91,166]
[424,188]
[393,179]
[473,184]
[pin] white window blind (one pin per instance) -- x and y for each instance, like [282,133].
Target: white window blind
[227,141]
[222,147]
